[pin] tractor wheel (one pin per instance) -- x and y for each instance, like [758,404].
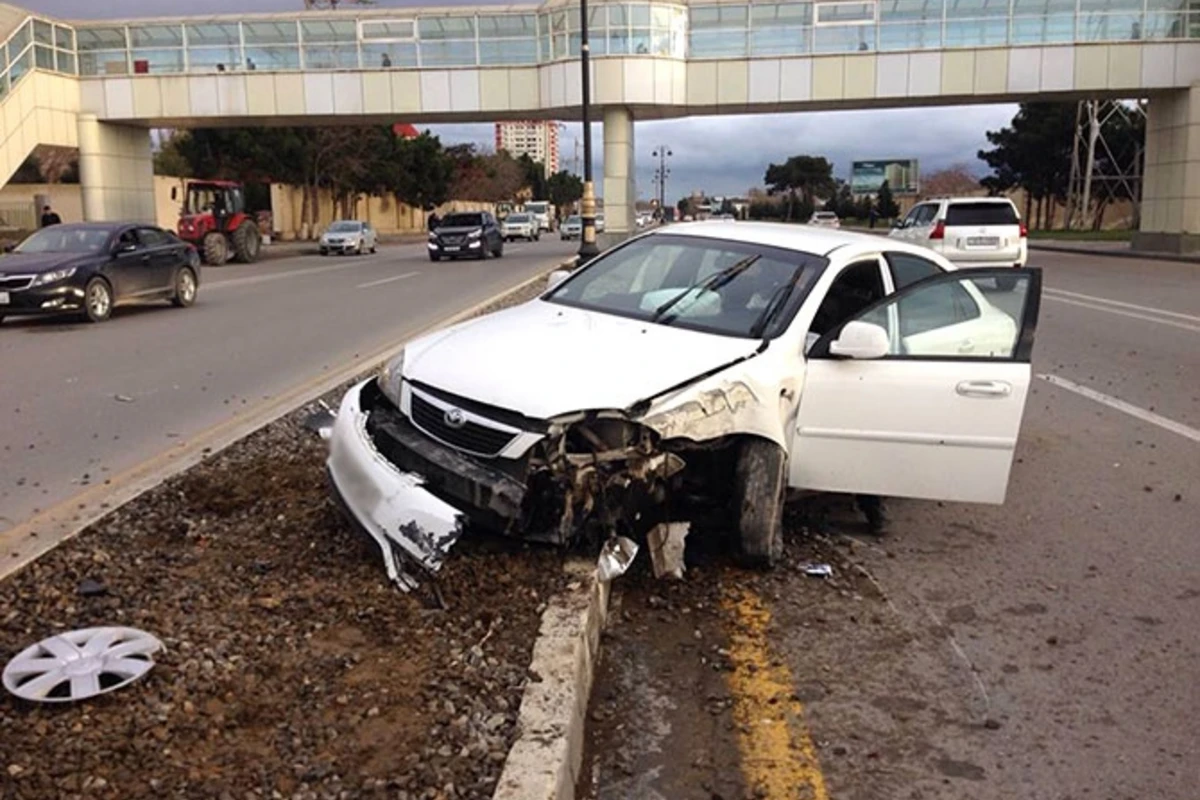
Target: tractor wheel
[246,242]
[216,249]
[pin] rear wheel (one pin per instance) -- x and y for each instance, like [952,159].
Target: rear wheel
[185,288]
[760,483]
[247,242]
[216,249]
[97,300]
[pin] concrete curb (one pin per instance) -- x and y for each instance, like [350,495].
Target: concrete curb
[32,539]
[545,761]
[1111,253]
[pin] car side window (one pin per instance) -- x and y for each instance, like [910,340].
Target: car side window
[925,213]
[127,238]
[911,219]
[151,237]
[907,268]
[858,286]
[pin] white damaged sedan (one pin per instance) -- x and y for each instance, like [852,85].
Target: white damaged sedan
[699,370]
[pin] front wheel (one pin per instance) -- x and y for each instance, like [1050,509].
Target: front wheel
[759,486]
[97,300]
[185,288]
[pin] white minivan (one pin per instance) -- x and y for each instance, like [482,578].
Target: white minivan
[968,231]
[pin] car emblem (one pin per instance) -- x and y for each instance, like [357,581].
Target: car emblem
[454,418]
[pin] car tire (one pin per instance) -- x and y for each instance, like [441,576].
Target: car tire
[324,252]
[1006,283]
[499,251]
[247,242]
[216,249]
[185,288]
[759,486]
[97,300]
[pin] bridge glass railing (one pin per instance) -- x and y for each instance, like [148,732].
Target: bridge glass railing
[465,38]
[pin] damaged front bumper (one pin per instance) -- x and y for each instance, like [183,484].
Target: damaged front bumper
[413,528]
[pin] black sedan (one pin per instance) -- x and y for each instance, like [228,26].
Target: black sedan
[466,235]
[89,268]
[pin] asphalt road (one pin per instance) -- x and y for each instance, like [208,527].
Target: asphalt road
[1045,648]
[82,402]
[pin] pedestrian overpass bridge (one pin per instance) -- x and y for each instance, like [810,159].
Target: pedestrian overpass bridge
[102,85]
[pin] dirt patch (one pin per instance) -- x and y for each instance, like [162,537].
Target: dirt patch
[292,667]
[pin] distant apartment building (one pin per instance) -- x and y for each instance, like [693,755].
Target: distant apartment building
[536,138]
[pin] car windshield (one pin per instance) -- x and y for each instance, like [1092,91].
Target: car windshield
[712,285]
[345,227]
[517,218]
[462,221]
[574,219]
[981,214]
[64,239]
[825,215]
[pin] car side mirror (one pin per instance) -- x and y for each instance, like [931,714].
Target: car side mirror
[861,340]
[557,277]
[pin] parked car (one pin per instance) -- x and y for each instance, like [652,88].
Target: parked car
[92,267]
[599,223]
[349,236]
[472,234]
[699,368]
[572,228]
[825,219]
[520,226]
[969,231]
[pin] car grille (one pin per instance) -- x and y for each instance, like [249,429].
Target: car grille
[471,437]
[453,239]
[15,283]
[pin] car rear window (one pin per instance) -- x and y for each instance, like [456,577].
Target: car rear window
[981,214]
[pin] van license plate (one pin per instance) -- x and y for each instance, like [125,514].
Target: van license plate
[983,241]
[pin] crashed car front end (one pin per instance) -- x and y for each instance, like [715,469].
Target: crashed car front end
[414,464]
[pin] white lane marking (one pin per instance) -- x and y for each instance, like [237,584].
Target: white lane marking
[276,276]
[1118,312]
[382,281]
[1150,309]
[1186,431]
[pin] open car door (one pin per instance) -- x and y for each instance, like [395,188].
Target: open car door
[922,394]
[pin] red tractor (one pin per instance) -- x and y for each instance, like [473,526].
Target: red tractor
[214,219]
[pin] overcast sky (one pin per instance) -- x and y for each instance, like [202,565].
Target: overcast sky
[720,155]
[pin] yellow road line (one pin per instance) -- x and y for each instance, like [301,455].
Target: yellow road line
[778,757]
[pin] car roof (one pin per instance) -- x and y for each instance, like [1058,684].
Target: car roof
[105,226]
[976,200]
[803,238]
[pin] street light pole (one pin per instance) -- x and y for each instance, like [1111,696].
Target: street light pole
[660,176]
[587,207]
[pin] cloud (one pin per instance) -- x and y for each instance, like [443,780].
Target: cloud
[704,159]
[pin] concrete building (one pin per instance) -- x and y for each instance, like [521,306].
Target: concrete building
[535,138]
[102,85]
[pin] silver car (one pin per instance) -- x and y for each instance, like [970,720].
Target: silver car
[520,226]
[572,228]
[349,236]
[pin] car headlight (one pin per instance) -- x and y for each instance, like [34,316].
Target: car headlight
[432,236]
[53,276]
[390,378]
[474,234]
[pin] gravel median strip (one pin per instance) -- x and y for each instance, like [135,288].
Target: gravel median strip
[293,668]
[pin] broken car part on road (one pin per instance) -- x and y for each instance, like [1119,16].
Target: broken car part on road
[672,379]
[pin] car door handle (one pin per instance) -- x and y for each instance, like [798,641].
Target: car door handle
[984,389]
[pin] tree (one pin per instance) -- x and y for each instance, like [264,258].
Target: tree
[422,172]
[953,180]
[807,175]
[534,176]
[1033,153]
[564,189]
[842,200]
[885,203]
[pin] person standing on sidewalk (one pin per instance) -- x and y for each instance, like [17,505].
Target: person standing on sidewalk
[50,217]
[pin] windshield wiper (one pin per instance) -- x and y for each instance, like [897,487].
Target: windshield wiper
[711,283]
[778,300]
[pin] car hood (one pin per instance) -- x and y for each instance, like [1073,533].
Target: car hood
[544,360]
[457,231]
[35,263]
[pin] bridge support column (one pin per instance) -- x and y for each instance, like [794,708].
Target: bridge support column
[1171,185]
[116,171]
[620,177]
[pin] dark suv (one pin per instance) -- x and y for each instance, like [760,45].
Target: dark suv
[471,234]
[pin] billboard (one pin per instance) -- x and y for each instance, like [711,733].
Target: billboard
[902,176]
